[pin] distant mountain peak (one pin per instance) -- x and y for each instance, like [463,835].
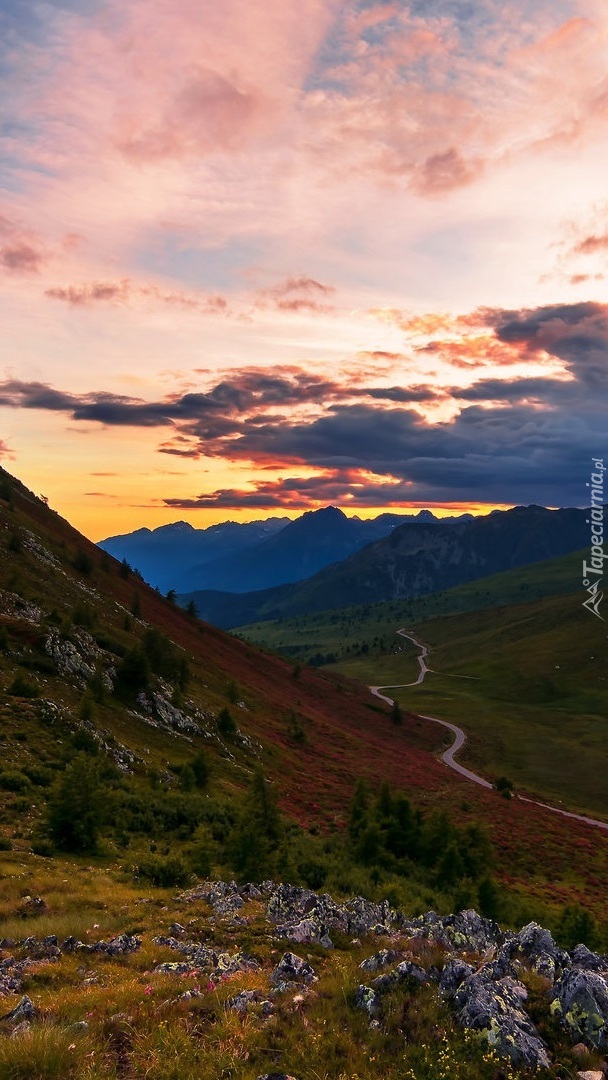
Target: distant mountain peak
[176,527]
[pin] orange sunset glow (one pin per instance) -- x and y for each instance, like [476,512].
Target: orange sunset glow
[259,259]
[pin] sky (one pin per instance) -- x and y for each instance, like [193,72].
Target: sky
[264,256]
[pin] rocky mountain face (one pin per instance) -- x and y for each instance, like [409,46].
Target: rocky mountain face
[414,560]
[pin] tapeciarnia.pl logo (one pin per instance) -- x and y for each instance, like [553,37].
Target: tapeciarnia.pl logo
[593,571]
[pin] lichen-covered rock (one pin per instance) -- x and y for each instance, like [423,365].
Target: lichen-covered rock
[73,657]
[368,1000]
[453,975]
[243,1001]
[466,931]
[582,957]
[581,1001]
[305,932]
[495,1011]
[539,949]
[292,968]
[362,916]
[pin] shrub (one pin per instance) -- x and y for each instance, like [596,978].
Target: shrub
[133,673]
[43,847]
[164,873]
[83,562]
[5,844]
[22,687]
[14,780]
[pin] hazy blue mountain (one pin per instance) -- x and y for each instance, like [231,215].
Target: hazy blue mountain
[414,559]
[165,555]
[234,557]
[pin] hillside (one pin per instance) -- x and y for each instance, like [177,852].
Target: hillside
[145,753]
[415,560]
[344,633]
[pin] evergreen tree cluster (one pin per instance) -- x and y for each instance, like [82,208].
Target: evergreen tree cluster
[385,831]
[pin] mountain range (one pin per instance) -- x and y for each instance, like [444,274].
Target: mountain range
[242,557]
[413,560]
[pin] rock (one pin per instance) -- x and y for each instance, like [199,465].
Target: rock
[404,972]
[241,1002]
[453,975]
[466,931]
[118,946]
[538,948]
[25,1010]
[379,960]
[31,905]
[276,1076]
[494,1010]
[368,1000]
[582,957]
[305,932]
[591,1074]
[292,968]
[581,1001]
[250,892]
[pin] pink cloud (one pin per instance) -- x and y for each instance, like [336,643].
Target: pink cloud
[21,251]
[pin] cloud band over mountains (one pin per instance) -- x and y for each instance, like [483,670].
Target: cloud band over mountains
[521,438]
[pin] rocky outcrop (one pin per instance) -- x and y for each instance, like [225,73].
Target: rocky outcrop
[475,967]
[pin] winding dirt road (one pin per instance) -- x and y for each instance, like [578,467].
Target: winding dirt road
[460,738]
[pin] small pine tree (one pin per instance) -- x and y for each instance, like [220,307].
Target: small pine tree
[201,769]
[358,817]
[226,724]
[76,806]
[256,838]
